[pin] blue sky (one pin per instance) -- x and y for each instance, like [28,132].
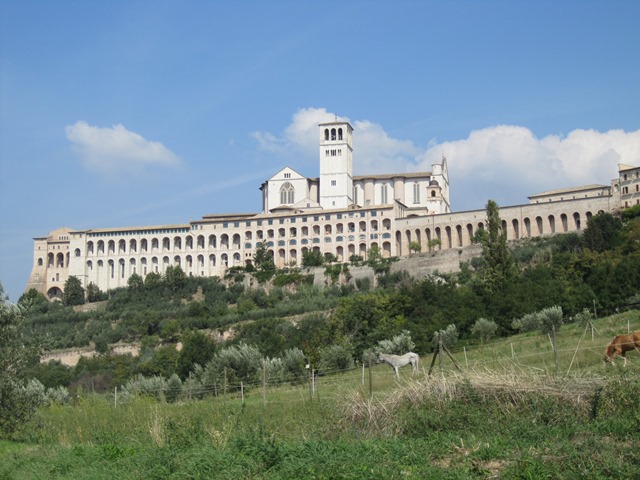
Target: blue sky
[133,112]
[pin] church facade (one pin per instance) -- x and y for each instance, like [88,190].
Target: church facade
[336,213]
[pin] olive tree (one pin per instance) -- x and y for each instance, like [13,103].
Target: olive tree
[17,404]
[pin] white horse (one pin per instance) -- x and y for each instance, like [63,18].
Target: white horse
[397,361]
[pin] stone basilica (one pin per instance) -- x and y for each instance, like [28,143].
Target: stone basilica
[336,213]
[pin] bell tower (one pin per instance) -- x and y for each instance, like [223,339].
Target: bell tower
[336,165]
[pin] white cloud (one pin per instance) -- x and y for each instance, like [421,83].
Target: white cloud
[376,151]
[300,136]
[506,163]
[117,150]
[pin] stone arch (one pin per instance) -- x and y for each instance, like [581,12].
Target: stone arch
[459,242]
[55,293]
[516,228]
[449,239]
[386,249]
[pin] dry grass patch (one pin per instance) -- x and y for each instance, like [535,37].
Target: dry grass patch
[507,389]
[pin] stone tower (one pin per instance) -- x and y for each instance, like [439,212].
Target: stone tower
[336,165]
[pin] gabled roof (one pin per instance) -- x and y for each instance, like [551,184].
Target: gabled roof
[288,170]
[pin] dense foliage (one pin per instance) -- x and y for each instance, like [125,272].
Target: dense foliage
[497,294]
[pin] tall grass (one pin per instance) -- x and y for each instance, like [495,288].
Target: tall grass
[502,417]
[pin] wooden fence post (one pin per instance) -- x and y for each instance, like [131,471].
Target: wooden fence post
[370,378]
[264,384]
[555,348]
[225,385]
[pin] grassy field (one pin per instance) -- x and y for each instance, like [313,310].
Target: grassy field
[509,414]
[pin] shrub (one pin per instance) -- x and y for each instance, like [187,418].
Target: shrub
[336,357]
[242,363]
[528,323]
[294,365]
[448,337]
[173,388]
[550,318]
[149,386]
[484,329]
[398,345]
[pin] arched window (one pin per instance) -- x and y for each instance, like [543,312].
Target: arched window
[326,134]
[286,193]
[339,134]
[333,134]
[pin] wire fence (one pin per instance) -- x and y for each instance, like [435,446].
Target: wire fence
[563,363]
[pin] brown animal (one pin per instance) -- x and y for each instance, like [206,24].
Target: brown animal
[620,345]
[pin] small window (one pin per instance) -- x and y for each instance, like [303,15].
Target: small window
[333,183]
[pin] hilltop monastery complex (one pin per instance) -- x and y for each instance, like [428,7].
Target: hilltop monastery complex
[336,213]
